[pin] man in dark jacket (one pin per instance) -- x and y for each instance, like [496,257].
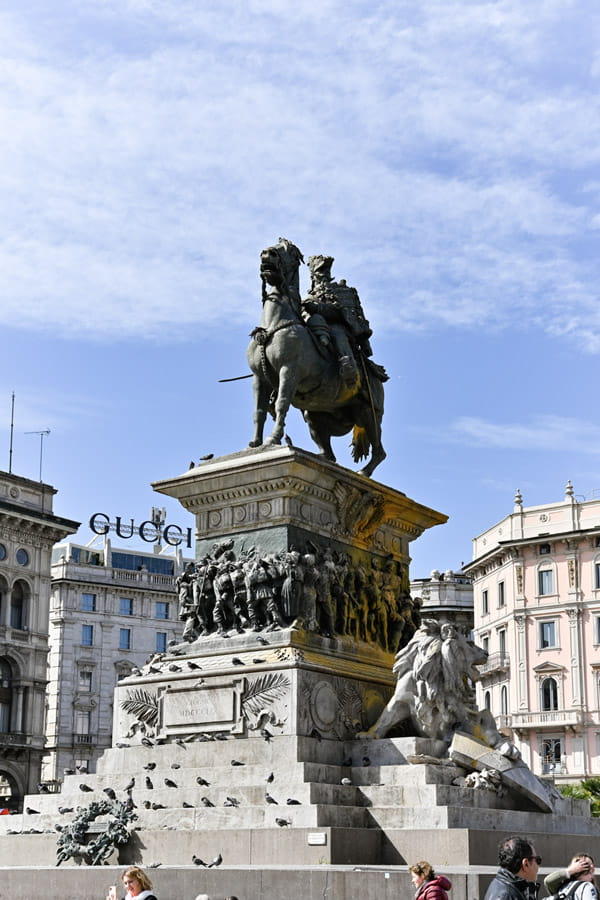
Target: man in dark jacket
[516,877]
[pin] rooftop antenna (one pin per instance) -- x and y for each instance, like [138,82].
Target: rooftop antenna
[12,428]
[42,435]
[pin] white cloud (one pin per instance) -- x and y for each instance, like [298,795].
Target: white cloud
[155,147]
[555,433]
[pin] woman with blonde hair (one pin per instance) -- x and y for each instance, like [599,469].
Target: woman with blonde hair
[429,885]
[136,883]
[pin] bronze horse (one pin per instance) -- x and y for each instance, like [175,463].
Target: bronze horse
[289,369]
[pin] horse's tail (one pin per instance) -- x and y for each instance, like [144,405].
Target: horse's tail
[360,443]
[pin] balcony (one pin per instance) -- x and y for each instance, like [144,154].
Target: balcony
[496,662]
[552,718]
[503,721]
[87,739]
[13,739]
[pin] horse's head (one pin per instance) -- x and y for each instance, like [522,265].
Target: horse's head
[279,267]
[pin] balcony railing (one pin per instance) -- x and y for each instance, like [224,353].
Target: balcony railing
[496,662]
[13,737]
[83,738]
[503,721]
[570,718]
[116,576]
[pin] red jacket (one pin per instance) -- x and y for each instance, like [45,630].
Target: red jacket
[434,889]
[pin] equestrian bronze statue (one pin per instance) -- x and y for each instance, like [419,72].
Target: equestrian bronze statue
[314,354]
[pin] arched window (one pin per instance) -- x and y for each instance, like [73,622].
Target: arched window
[549,694]
[488,701]
[504,701]
[18,602]
[5,695]
[3,596]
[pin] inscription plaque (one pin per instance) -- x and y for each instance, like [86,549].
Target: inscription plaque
[212,707]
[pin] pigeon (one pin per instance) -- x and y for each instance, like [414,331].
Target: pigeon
[158,806]
[135,671]
[291,802]
[43,788]
[202,781]
[149,784]
[175,765]
[85,787]
[316,734]
[347,762]
[58,827]
[206,802]
[345,781]
[258,660]
[122,745]
[192,464]
[170,783]
[270,799]
[262,640]
[150,766]
[237,661]
[130,786]
[270,778]
[216,862]
[283,822]
[192,665]
[32,812]
[236,762]
[68,771]
[82,769]
[197,861]
[231,801]
[180,742]
[174,668]
[197,684]
[147,804]
[109,793]
[147,742]
[65,809]
[366,761]
[206,456]
[221,736]
[264,733]
[187,805]
[153,670]
[154,865]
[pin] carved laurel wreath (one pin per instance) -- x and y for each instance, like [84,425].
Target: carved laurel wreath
[72,837]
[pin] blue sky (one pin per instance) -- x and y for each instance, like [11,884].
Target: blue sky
[446,154]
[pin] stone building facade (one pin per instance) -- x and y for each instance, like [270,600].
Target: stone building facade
[446,597]
[536,578]
[28,531]
[111,609]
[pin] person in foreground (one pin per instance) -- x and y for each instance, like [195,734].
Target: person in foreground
[516,877]
[137,884]
[576,882]
[429,885]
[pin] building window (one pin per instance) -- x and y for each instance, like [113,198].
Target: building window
[545,582]
[22,557]
[548,635]
[485,643]
[551,753]
[598,634]
[549,694]
[124,638]
[82,722]
[161,641]
[126,606]
[87,635]
[597,579]
[504,700]
[88,603]
[501,599]
[2,552]
[85,680]
[502,640]
[484,603]
[544,549]
[487,699]
[5,695]
[17,606]
[161,610]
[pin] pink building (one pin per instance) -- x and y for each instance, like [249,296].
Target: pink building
[536,582]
